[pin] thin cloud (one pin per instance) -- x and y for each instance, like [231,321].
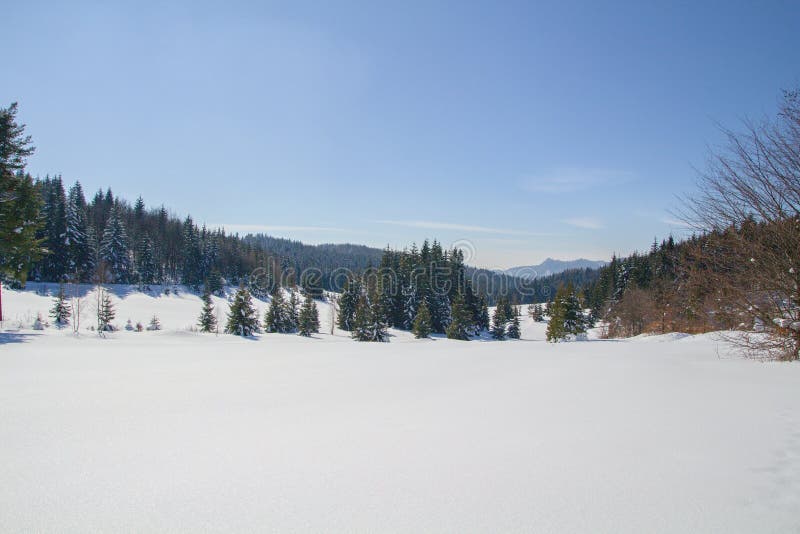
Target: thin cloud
[587,223]
[270,229]
[570,179]
[434,225]
[675,223]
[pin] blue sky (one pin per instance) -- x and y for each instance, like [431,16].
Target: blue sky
[519,130]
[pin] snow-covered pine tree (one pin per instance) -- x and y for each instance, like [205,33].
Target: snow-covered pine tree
[208,320]
[308,320]
[145,263]
[277,319]
[154,324]
[114,251]
[79,253]
[460,320]
[242,318]
[368,324]
[105,312]
[191,274]
[292,312]
[566,315]
[61,311]
[482,320]
[422,322]
[499,321]
[348,303]
[513,328]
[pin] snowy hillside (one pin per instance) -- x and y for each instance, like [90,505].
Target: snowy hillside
[181,431]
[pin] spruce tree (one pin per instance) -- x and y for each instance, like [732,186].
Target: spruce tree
[308,320]
[105,312]
[79,254]
[348,303]
[114,249]
[145,263]
[460,320]
[61,311]
[514,329]
[277,319]
[20,203]
[368,324]
[154,324]
[208,320]
[292,312]
[422,322]
[482,321]
[242,318]
[499,323]
[566,315]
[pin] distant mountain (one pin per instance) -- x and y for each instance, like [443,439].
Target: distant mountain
[551,266]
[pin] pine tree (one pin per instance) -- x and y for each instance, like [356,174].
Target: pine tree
[105,312]
[114,249]
[368,323]
[277,319]
[348,303]
[499,323]
[191,274]
[566,316]
[291,313]
[145,263]
[20,203]
[514,329]
[482,321]
[242,318]
[79,254]
[61,311]
[208,320]
[308,321]
[460,322]
[422,322]
[155,324]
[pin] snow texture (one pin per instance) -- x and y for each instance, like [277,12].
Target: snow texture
[179,431]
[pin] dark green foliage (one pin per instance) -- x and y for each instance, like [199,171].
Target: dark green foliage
[348,302]
[208,319]
[499,321]
[460,322]
[566,316]
[114,252]
[513,328]
[105,312]
[242,318]
[368,324]
[61,311]
[279,317]
[20,202]
[422,322]
[308,319]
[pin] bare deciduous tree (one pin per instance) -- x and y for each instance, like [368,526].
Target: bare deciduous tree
[749,209]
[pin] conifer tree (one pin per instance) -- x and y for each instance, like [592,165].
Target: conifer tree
[308,320]
[77,237]
[61,311]
[242,318]
[348,303]
[514,329]
[460,320]
[145,263]
[155,324]
[368,324]
[277,319]
[292,312]
[422,322]
[114,249]
[208,320]
[105,312]
[566,315]
[20,203]
[482,321]
[499,323]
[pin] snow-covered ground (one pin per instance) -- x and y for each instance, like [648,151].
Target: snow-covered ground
[180,431]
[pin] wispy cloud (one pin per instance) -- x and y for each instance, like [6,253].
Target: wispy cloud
[584,222]
[675,222]
[569,179]
[272,229]
[435,225]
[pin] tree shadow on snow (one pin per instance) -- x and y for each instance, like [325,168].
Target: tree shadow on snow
[15,337]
